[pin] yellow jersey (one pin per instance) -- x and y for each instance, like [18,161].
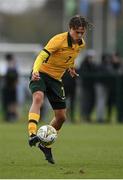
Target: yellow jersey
[61,55]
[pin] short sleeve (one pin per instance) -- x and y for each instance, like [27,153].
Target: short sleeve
[54,44]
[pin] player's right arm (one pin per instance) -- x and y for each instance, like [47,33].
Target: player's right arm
[39,60]
[51,47]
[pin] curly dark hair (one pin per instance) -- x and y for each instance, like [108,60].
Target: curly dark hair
[79,21]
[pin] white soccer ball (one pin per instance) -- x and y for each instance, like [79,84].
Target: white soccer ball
[47,134]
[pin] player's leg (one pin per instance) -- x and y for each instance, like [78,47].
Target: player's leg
[56,96]
[59,119]
[34,116]
[57,122]
[37,88]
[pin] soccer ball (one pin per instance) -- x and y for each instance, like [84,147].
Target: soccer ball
[47,135]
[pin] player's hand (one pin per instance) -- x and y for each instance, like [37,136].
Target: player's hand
[72,72]
[35,76]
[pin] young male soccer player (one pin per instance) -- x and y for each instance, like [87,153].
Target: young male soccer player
[56,57]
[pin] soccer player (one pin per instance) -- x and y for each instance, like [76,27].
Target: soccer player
[57,56]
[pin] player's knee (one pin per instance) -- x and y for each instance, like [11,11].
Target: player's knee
[61,117]
[38,98]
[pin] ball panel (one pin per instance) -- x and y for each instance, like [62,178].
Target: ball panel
[47,134]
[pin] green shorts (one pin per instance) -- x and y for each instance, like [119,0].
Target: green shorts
[53,89]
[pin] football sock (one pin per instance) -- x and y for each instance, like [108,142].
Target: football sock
[32,123]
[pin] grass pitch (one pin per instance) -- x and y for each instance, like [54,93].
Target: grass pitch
[81,151]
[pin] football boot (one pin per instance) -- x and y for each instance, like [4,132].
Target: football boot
[47,152]
[33,140]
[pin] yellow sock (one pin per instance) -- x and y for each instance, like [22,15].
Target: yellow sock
[33,121]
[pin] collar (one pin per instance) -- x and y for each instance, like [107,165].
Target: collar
[69,39]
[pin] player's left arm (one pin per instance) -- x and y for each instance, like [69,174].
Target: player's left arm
[73,72]
[72,69]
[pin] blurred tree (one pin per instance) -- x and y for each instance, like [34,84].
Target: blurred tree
[36,25]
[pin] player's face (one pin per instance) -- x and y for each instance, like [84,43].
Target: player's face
[77,34]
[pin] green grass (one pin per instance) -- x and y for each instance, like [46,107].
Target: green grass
[81,151]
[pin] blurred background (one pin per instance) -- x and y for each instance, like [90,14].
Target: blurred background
[27,25]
